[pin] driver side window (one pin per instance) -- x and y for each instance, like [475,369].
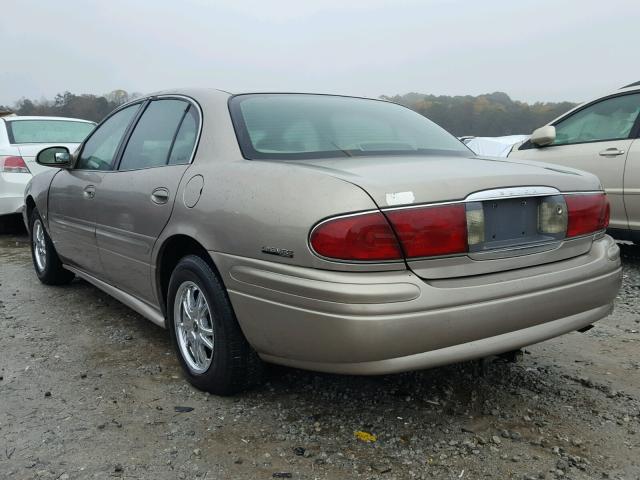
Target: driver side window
[610,119]
[99,150]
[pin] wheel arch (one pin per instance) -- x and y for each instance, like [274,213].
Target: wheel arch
[29,205]
[172,250]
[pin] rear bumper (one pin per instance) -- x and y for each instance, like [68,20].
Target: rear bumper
[384,322]
[12,187]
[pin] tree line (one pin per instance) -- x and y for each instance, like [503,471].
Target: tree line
[492,114]
[488,115]
[67,104]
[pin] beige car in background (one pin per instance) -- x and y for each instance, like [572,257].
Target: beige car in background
[329,233]
[601,137]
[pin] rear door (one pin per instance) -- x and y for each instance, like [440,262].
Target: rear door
[137,198]
[596,138]
[74,192]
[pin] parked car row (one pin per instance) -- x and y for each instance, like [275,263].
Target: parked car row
[329,233]
[20,139]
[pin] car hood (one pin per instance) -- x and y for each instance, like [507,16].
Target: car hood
[399,180]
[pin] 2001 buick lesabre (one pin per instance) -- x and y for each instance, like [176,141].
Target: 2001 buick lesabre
[323,232]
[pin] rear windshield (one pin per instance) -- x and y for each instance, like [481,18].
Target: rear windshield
[48,131]
[299,126]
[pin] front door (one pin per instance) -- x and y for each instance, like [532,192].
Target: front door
[72,217]
[137,198]
[73,194]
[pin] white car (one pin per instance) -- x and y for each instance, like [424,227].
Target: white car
[21,138]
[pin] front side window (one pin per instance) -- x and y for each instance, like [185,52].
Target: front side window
[98,152]
[293,127]
[610,119]
[48,131]
[152,139]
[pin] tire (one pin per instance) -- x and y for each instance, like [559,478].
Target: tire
[211,348]
[46,262]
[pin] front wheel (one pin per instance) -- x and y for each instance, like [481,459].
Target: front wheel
[45,258]
[212,350]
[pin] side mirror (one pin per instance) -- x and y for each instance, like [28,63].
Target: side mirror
[54,157]
[543,136]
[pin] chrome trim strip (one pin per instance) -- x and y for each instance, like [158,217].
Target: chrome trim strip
[511,192]
[129,300]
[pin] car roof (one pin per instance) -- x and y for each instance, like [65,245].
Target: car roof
[44,117]
[214,94]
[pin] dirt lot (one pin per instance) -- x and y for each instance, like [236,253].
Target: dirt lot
[89,389]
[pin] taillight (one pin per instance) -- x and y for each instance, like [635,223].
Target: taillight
[449,229]
[430,231]
[13,165]
[588,213]
[364,237]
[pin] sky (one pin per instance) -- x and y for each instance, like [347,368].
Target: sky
[533,50]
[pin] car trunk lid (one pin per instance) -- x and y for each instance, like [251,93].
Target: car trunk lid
[508,193]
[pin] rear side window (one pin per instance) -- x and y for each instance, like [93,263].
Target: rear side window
[99,150]
[48,131]
[152,139]
[610,119]
[185,139]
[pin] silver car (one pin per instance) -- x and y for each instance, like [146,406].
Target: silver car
[601,137]
[328,233]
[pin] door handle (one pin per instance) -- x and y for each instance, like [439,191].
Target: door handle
[611,152]
[160,195]
[90,191]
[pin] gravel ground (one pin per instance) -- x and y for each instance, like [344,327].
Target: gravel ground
[89,389]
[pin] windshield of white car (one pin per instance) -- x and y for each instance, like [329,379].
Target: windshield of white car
[48,131]
[307,126]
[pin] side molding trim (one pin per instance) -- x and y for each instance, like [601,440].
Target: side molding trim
[130,301]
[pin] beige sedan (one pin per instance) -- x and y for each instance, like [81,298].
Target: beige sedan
[329,233]
[601,137]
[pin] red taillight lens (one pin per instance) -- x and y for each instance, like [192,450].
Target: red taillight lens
[363,237]
[588,213]
[429,231]
[13,165]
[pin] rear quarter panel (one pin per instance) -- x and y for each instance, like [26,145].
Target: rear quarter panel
[246,206]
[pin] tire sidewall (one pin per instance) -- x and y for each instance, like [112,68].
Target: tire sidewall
[42,274]
[195,270]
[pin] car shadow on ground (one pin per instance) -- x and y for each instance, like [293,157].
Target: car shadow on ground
[12,224]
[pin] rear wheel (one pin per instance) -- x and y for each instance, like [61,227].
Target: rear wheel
[212,350]
[45,258]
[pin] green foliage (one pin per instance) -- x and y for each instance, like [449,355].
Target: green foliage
[489,115]
[67,104]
